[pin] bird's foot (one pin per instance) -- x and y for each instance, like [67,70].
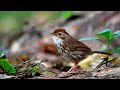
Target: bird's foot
[73,71]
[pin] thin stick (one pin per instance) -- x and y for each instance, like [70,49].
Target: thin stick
[26,62]
[110,60]
[104,59]
[99,65]
[103,62]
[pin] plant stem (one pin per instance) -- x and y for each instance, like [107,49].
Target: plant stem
[108,51]
[108,47]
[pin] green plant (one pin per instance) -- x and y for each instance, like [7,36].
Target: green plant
[65,14]
[109,36]
[5,65]
[13,20]
[34,70]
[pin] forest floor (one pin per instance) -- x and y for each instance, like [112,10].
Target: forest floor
[34,44]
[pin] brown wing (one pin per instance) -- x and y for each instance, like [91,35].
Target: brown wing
[76,45]
[81,47]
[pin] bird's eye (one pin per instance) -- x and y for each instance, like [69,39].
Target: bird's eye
[59,34]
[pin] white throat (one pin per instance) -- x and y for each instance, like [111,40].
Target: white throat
[57,40]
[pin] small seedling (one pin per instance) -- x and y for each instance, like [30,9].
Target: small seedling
[109,36]
[5,65]
[34,70]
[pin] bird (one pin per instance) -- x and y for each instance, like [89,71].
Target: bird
[70,48]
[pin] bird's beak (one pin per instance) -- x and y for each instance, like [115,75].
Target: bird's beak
[52,33]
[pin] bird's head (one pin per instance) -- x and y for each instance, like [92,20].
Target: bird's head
[59,35]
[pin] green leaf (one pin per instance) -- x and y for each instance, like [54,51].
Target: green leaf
[105,33]
[117,32]
[66,14]
[33,73]
[116,50]
[89,38]
[102,50]
[112,36]
[4,64]
[34,70]
[1,54]
[7,67]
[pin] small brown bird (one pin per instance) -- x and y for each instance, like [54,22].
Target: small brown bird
[70,48]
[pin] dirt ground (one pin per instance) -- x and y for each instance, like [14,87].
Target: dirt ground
[33,44]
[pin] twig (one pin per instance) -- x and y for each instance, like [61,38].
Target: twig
[26,62]
[51,71]
[110,60]
[99,65]
[103,62]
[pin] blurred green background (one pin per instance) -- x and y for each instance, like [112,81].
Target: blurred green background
[14,20]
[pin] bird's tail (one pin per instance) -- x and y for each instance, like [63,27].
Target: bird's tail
[102,52]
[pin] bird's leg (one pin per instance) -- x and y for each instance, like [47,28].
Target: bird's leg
[75,69]
[72,70]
